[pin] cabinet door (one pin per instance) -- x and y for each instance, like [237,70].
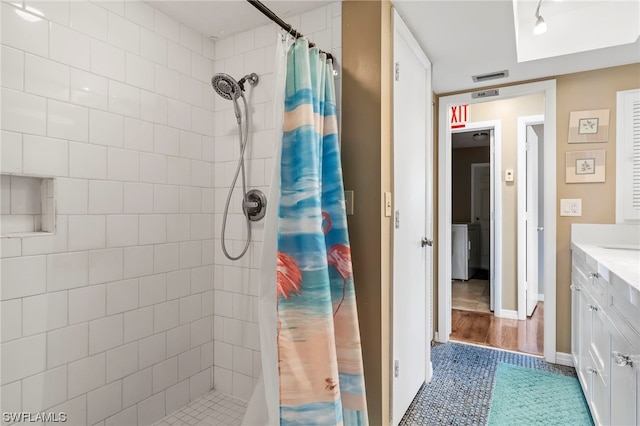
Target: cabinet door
[584,359]
[599,350]
[576,308]
[599,395]
[625,384]
[600,344]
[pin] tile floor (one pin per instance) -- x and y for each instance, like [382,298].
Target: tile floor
[460,391]
[472,295]
[213,409]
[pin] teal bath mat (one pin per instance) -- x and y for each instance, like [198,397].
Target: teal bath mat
[523,396]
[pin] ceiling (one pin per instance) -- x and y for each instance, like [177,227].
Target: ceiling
[466,38]
[465,139]
[221,18]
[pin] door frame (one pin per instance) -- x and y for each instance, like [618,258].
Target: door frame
[401,30]
[522,193]
[474,167]
[495,246]
[548,88]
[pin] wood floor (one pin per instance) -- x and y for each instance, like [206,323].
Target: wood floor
[485,329]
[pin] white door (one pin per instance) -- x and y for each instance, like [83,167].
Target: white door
[527,187]
[531,220]
[410,285]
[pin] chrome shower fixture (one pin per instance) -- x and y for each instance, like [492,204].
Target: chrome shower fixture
[230,89]
[254,202]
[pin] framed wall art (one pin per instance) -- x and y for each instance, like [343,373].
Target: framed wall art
[589,126]
[585,166]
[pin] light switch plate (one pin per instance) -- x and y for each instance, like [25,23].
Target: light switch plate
[571,207]
[508,175]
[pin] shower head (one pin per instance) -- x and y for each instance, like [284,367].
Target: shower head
[230,89]
[226,86]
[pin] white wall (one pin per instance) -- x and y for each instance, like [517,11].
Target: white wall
[110,319]
[236,335]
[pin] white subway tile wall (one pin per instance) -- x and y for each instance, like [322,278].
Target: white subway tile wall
[235,328]
[130,311]
[106,97]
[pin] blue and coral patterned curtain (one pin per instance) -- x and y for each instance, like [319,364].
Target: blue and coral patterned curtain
[319,351]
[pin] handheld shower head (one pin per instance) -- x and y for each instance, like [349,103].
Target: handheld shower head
[230,89]
[226,86]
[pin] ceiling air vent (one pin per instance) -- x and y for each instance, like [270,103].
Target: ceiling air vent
[490,76]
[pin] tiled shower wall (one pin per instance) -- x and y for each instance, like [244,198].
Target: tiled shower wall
[109,320]
[235,327]
[115,319]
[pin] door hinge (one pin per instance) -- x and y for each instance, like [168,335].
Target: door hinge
[396,368]
[397,71]
[526,146]
[397,219]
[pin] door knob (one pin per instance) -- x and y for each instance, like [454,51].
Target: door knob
[426,242]
[540,228]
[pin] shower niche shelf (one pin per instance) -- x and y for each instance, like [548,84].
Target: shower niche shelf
[27,206]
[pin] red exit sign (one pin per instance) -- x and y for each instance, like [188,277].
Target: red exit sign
[458,116]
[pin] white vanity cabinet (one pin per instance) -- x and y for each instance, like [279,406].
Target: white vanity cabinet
[625,384]
[605,329]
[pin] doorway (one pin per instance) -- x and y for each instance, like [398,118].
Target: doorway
[508,309]
[472,288]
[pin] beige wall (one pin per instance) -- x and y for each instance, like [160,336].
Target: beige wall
[366,160]
[367,101]
[461,161]
[579,92]
[508,111]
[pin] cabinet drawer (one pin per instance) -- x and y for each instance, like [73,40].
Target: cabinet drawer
[624,300]
[584,273]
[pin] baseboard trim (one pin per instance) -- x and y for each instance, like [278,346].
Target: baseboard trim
[540,297]
[563,358]
[429,372]
[507,313]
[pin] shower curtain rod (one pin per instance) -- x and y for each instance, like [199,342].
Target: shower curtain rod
[288,28]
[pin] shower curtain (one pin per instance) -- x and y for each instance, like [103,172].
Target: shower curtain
[321,376]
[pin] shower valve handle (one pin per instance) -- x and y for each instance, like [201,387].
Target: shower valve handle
[250,204]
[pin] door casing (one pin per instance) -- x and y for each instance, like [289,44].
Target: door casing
[548,88]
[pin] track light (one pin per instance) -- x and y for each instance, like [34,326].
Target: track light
[540,27]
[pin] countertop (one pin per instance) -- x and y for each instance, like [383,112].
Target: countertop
[622,260]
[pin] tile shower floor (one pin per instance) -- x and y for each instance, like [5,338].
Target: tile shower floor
[212,409]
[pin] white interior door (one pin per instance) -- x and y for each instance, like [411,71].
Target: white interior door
[527,190]
[410,271]
[531,217]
